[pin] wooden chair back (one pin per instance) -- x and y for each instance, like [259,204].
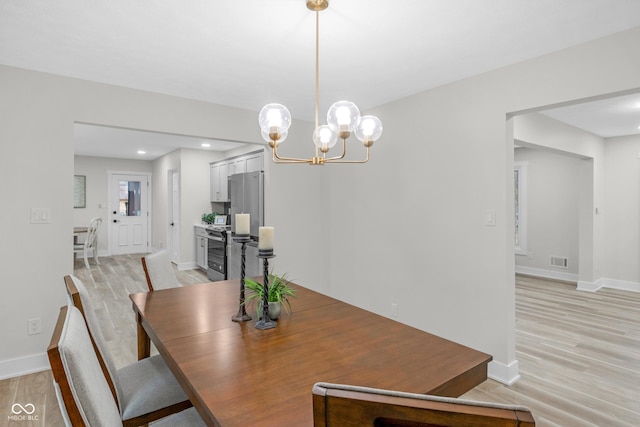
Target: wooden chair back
[351,406]
[74,294]
[85,396]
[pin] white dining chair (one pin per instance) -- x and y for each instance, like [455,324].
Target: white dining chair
[82,391]
[145,390]
[91,242]
[159,272]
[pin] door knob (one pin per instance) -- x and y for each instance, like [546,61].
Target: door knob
[115,220]
[115,212]
[172,224]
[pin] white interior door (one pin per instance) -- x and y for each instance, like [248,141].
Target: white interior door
[129,200]
[174,217]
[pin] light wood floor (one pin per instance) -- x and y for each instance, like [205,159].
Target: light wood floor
[110,285]
[578,352]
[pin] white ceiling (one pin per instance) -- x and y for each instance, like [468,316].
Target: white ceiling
[607,118]
[251,52]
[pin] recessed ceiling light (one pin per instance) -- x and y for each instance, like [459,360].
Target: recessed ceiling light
[142,152]
[205,145]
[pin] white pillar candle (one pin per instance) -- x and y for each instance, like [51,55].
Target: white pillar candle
[265,238]
[243,224]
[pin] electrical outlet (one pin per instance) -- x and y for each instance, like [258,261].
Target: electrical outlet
[34,326]
[394,310]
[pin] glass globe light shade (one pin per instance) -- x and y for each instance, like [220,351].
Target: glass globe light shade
[274,118]
[343,115]
[266,137]
[369,129]
[324,137]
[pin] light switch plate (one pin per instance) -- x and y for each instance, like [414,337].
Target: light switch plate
[490,218]
[40,215]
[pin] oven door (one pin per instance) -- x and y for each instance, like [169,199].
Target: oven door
[216,257]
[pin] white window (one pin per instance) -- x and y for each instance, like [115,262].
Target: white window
[520,199]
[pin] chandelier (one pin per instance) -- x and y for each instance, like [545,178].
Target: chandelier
[343,119]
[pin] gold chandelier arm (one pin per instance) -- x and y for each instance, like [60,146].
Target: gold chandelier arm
[315,160]
[344,152]
[277,159]
[349,161]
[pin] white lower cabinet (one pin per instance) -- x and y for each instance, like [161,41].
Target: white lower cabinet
[201,247]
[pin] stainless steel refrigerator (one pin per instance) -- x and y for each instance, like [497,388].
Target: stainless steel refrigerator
[246,195]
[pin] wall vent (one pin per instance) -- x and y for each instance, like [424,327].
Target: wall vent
[558,261]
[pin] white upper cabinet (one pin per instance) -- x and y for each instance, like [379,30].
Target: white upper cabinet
[219,174]
[237,165]
[221,170]
[254,162]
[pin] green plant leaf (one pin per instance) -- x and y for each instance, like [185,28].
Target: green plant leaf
[279,291]
[208,218]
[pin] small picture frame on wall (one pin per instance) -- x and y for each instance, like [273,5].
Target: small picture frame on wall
[79,191]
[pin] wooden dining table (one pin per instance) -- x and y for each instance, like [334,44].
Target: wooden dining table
[238,375]
[77,232]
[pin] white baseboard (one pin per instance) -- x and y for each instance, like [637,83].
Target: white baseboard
[548,274]
[582,285]
[622,285]
[187,266]
[609,283]
[590,286]
[24,365]
[505,374]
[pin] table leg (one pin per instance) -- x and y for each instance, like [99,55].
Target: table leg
[144,343]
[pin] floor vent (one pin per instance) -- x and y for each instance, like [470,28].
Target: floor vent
[557,261]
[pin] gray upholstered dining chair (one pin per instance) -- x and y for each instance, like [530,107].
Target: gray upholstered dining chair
[91,242]
[159,272]
[82,391]
[145,390]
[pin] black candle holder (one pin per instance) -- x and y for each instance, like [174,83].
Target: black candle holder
[265,322]
[242,315]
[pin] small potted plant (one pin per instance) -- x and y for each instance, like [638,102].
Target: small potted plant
[277,297]
[208,218]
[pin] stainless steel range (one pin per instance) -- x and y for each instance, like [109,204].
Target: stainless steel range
[217,251]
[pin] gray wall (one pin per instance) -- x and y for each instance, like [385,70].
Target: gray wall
[553,190]
[607,179]
[193,168]
[445,158]
[621,212]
